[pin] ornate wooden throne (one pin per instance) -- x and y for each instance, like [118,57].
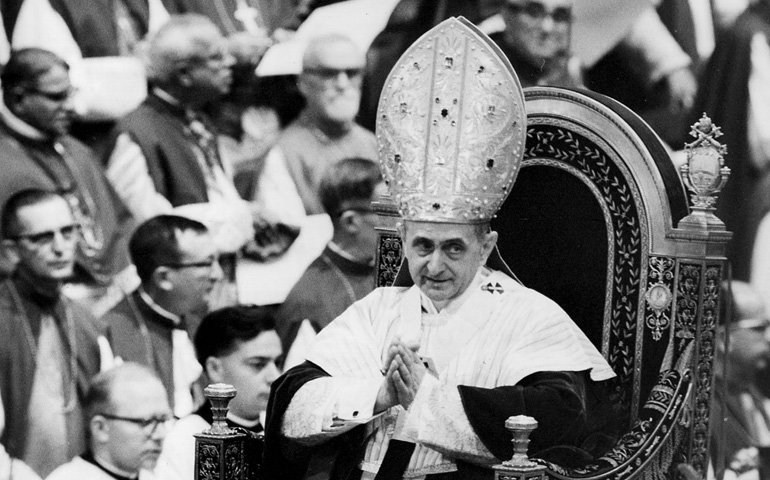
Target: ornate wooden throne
[599,220]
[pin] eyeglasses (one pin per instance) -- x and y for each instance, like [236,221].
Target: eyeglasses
[208,263]
[538,11]
[41,239]
[754,324]
[361,210]
[331,74]
[217,59]
[55,96]
[148,425]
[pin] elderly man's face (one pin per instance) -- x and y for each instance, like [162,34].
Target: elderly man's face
[210,70]
[137,424]
[45,243]
[538,30]
[331,82]
[48,105]
[444,257]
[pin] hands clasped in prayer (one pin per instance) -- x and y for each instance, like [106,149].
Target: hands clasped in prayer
[404,370]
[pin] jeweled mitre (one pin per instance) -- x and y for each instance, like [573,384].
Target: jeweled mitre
[451,126]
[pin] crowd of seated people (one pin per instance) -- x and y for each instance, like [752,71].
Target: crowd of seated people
[143,162]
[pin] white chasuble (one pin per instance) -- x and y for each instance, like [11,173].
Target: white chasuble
[495,334]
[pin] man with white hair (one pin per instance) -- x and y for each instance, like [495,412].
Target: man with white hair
[324,133]
[165,157]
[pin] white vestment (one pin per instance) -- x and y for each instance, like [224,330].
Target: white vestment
[495,334]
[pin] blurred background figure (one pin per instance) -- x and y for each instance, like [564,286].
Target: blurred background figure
[165,157]
[99,40]
[733,92]
[247,127]
[36,151]
[51,346]
[345,271]
[742,389]
[324,133]
[127,418]
[179,268]
[255,17]
[237,346]
[536,40]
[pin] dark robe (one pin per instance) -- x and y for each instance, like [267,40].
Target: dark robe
[93,24]
[131,342]
[724,96]
[321,294]
[556,399]
[159,129]
[17,362]
[28,163]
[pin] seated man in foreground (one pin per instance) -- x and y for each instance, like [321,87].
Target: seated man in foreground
[127,417]
[417,380]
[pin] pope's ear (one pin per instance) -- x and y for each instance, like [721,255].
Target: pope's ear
[490,240]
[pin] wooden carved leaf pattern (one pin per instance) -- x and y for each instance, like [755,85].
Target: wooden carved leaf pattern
[557,143]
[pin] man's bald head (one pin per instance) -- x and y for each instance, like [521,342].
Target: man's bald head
[332,69]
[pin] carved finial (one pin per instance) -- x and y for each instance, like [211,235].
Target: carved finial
[520,466]
[219,394]
[704,174]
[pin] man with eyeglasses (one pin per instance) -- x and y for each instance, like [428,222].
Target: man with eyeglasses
[37,152]
[178,265]
[344,272]
[127,418]
[164,156]
[237,346]
[51,346]
[324,133]
[536,40]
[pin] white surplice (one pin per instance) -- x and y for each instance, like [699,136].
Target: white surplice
[495,334]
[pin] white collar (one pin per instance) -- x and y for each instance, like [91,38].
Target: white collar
[243,422]
[176,319]
[20,126]
[113,469]
[167,97]
[347,255]
[454,305]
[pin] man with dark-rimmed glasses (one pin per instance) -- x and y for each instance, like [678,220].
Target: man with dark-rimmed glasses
[36,151]
[51,346]
[324,133]
[127,418]
[178,265]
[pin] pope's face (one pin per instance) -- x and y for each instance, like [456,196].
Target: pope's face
[444,257]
